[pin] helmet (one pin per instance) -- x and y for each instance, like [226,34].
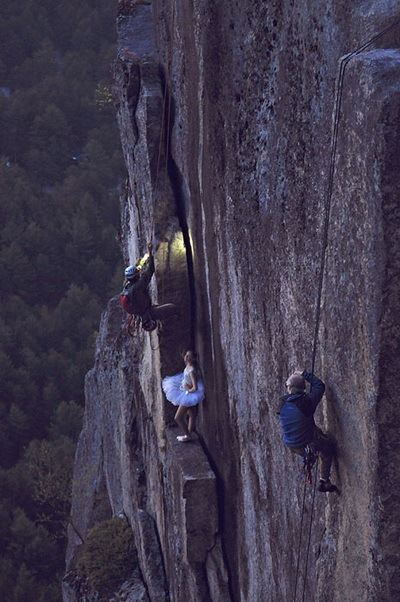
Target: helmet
[130,271]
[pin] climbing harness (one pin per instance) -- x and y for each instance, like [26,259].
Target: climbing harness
[149,324]
[328,202]
[135,322]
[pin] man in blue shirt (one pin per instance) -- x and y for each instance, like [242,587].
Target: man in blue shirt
[297,421]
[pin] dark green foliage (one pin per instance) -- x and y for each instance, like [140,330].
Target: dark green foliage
[60,171]
[67,421]
[109,555]
[49,466]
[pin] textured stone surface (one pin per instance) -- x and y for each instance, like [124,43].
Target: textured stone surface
[193,497]
[76,589]
[191,520]
[252,88]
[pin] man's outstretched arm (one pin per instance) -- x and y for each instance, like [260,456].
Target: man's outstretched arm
[317,389]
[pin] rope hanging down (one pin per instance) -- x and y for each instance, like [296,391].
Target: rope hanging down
[328,200]
[301,530]
[328,203]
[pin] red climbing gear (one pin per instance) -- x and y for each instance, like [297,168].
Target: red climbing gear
[134,322]
[132,326]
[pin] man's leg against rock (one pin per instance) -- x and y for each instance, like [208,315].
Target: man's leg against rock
[161,312]
[299,451]
[325,446]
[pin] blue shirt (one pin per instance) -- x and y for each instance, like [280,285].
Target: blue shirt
[297,413]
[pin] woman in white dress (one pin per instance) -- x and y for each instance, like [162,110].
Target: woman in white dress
[185,390]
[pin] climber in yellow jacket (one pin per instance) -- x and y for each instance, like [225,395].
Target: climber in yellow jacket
[135,297]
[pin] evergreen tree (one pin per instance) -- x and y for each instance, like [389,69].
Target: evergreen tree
[60,172]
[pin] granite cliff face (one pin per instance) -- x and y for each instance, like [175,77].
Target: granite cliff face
[258,151]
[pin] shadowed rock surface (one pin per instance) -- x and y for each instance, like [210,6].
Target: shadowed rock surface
[226,113]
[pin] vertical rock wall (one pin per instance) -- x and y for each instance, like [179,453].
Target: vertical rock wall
[237,203]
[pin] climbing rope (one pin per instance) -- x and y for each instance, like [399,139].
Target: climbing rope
[309,531]
[165,126]
[328,200]
[299,545]
[301,529]
[328,203]
[165,129]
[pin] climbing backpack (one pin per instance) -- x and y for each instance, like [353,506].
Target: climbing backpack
[125,301]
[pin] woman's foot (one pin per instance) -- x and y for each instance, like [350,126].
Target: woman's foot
[184,438]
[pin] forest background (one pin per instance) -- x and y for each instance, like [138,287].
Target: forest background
[60,173]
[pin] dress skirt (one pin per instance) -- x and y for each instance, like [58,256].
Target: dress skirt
[176,394]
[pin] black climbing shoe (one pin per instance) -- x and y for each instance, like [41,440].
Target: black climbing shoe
[326,486]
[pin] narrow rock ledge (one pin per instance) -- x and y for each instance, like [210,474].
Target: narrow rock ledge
[193,496]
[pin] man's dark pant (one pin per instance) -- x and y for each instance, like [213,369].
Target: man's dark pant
[160,312]
[325,446]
